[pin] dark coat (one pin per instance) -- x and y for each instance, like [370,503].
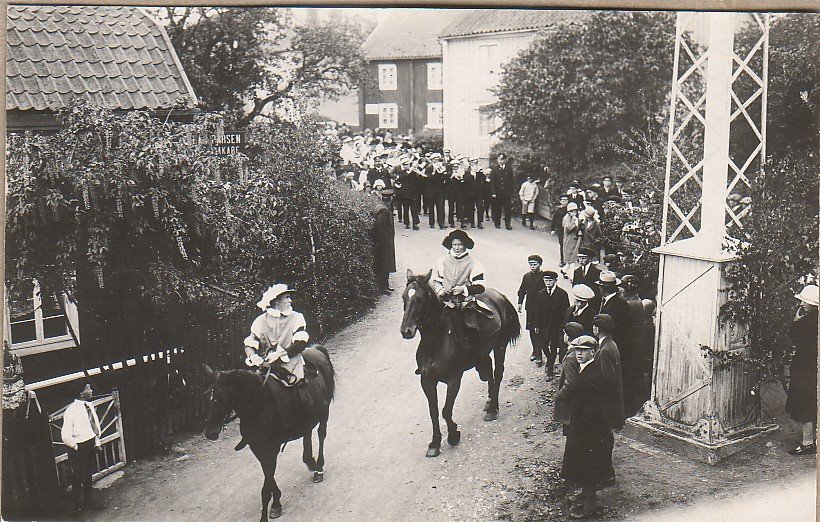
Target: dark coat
[477,183]
[589,279]
[587,461]
[557,217]
[384,249]
[503,181]
[531,284]
[584,319]
[436,182]
[409,181]
[613,194]
[381,173]
[610,359]
[617,308]
[562,411]
[801,402]
[550,311]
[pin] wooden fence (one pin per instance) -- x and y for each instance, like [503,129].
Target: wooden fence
[160,399]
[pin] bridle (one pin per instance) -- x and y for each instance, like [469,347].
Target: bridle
[427,309]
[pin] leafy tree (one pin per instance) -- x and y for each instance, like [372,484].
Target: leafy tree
[136,219]
[578,92]
[256,61]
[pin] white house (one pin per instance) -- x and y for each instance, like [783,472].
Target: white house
[474,46]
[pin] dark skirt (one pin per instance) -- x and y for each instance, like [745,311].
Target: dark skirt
[801,402]
[587,455]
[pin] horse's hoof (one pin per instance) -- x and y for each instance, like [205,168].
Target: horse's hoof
[433,452]
[318,476]
[491,416]
[454,438]
[274,513]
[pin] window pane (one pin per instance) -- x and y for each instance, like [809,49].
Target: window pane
[22,332]
[54,326]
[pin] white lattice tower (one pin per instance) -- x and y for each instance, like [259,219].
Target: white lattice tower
[700,404]
[695,148]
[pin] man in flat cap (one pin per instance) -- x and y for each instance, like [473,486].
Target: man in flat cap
[550,310]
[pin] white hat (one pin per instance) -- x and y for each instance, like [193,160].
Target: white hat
[572,206]
[583,292]
[272,293]
[810,294]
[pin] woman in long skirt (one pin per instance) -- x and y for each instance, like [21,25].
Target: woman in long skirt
[572,240]
[801,402]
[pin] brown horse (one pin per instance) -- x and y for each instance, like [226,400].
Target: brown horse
[243,392]
[439,357]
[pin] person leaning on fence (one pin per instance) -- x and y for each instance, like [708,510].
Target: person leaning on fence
[81,434]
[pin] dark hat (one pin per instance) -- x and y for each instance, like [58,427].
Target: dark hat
[607,176]
[604,321]
[629,280]
[575,183]
[607,278]
[535,257]
[573,330]
[501,155]
[584,342]
[584,251]
[563,196]
[611,258]
[457,234]
[549,274]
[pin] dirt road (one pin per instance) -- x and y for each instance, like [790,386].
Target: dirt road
[379,431]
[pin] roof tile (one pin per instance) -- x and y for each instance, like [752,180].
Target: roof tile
[99,52]
[408,34]
[483,21]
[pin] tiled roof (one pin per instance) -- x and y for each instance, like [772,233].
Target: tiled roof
[408,34]
[117,57]
[482,21]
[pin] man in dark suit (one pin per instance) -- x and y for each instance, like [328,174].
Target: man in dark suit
[436,174]
[613,305]
[408,182]
[379,171]
[556,226]
[531,284]
[587,274]
[503,191]
[477,189]
[610,359]
[466,191]
[551,305]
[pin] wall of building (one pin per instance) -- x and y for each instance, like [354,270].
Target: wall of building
[472,67]
[411,96]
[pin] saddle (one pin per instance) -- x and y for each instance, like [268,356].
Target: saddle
[480,315]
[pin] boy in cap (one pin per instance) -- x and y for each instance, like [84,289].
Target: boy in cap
[81,435]
[587,461]
[582,311]
[551,305]
[531,284]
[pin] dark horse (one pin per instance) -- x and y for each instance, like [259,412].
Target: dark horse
[441,360]
[242,391]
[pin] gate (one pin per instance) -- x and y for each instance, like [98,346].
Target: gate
[112,456]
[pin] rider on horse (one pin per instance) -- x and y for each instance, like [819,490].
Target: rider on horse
[459,277]
[280,335]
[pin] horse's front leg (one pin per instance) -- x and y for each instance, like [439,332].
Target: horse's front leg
[266,455]
[307,451]
[429,387]
[319,474]
[494,385]
[453,435]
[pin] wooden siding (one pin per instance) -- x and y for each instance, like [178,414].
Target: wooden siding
[411,95]
[692,293]
[466,88]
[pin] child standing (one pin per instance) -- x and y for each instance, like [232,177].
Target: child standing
[528,194]
[531,284]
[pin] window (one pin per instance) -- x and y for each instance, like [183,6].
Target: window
[371,108]
[488,64]
[388,115]
[435,116]
[38,324]
[434,76]
[487,122]
[387,77]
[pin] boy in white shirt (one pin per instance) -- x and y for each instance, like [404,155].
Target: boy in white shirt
[81,434]
[528,195]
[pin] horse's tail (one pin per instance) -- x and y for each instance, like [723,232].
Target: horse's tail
[325,366]
[510,324]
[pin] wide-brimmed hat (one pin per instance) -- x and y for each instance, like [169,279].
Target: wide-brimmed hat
[583,292]
[584,342]
[460,235]
[272,293]
[585,251]
[608,278]
[810,294]
[590,211]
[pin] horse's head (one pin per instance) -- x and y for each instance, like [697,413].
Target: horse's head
[219,402]
[417,297]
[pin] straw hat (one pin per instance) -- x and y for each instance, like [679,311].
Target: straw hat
[272,293]
[810,294]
